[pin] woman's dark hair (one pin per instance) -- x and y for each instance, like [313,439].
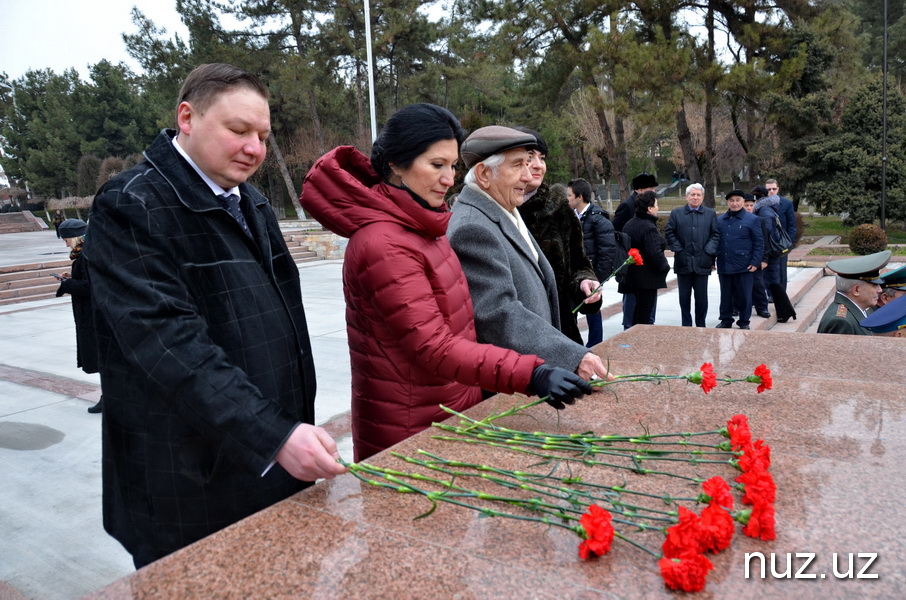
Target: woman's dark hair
[409,132]
[643,202]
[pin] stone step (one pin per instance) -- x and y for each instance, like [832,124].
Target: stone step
[810,308]
[24,294]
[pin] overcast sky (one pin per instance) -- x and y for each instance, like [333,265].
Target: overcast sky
[58,34]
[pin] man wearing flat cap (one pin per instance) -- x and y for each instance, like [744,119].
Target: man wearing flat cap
[889,320]
[512,285]
[894,286]
[739,254]
[858,285]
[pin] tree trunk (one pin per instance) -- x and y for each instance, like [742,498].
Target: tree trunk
[316,119]
[710,154]
[690,162]
[286,176]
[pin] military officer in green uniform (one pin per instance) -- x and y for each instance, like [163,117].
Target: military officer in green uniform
[889,320]
[893,287]
[858,286]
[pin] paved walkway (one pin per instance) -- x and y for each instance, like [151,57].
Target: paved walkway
[53,544]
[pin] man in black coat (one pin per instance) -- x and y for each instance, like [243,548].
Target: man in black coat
[641,183]
[693,238]
[600,244]
[204,355]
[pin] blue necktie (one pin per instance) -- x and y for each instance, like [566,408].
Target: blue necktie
[231,204]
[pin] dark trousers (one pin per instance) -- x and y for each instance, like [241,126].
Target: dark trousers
[595,329]
[783,265]
[759,292]
[629,304]
[645,307]
[689,284]
[764,279]
[736,291]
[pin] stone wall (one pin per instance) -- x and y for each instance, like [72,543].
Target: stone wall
[327,245]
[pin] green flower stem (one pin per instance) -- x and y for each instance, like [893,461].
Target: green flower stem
[556,491]
[534,505]
[629,261]
[584,461]
[636,544]
[583,436]
[532,477]
[570,445]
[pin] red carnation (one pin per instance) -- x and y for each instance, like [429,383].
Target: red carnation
[761,521]
[762,377]
[685,537]
[636,256]
[598,531]
[718,491]
[685,573]
[704,377]
[738,431]
[717,528]
[760,487]
[755,457]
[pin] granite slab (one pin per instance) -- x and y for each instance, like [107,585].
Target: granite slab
[834,420]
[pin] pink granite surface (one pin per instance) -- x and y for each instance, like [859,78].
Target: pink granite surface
[834,420]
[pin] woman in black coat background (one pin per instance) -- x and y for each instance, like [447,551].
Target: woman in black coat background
[75,283]
[646,279]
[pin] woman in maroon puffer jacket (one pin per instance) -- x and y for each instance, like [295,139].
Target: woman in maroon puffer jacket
[409,315]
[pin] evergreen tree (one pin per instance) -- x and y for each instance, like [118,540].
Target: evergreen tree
[844,166]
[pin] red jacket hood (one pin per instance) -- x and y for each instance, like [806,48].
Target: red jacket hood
[345,194]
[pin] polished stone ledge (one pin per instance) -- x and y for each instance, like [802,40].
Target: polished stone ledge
[834,420]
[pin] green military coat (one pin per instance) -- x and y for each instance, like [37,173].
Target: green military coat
[842,316]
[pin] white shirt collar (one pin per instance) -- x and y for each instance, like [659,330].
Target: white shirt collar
[216,189]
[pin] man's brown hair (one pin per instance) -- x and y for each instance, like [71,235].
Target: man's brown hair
[208,81]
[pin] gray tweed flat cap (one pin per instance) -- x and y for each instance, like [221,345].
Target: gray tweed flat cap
[488,141]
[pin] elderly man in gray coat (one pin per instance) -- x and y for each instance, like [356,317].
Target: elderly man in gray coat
[511,282]
[693,237]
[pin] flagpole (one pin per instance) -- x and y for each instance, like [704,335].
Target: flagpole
[371,106]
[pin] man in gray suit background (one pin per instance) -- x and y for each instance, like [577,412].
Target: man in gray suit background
[512,284]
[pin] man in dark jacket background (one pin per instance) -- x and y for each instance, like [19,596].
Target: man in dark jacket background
[600,244]
[787,216]
[641,183]
[738,257]
[204,355]
[693,238]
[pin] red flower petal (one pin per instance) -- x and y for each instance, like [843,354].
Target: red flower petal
[717,528]
[636,256]
[599,532]
[685,537]
[755,457]
[719,491]
[685,573]
[738,429]
[761,522]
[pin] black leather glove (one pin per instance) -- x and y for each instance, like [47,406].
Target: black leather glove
[557,386]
